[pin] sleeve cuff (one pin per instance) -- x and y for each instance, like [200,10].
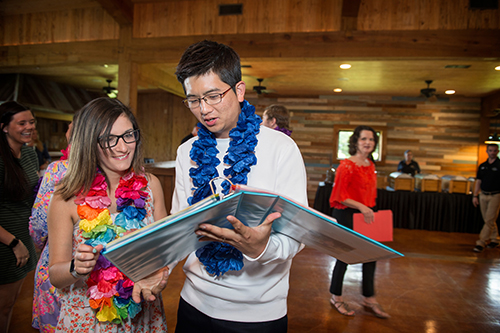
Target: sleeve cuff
[260,255]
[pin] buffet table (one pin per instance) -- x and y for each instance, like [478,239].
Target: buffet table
[451,212]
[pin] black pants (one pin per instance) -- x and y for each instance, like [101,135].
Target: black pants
[344,217]
[190,320]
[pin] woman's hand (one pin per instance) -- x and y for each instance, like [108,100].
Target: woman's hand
[86,258]
[22,254]
[367,214]
[150,286]
[365,210]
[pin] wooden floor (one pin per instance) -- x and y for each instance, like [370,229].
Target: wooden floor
[439,286]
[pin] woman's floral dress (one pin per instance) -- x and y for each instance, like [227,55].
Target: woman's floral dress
[77,316]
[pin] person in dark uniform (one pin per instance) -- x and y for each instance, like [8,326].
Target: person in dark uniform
[487,195]
[408,165]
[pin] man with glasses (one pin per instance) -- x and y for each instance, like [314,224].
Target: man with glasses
[238,282]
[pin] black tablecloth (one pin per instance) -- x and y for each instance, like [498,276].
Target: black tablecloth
[451,212]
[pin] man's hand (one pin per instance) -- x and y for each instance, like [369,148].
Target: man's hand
[250,241]
[150,286]
[475,201]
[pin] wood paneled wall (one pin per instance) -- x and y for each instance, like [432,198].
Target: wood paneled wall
[443,135]
[424,15]
[200,17]
[164,122]
[55,21]
[52,23]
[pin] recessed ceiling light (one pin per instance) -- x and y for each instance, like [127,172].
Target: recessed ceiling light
[345,66]
[497,68]
[449,92]
[105,65]
[337,90]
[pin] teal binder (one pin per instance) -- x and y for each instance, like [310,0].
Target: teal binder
[171,239]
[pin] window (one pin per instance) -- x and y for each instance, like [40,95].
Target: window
[342,134]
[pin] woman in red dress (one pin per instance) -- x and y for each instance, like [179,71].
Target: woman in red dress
[355,191]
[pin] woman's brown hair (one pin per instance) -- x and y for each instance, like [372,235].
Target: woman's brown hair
[94,120]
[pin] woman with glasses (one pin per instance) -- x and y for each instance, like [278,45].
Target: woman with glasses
[104,195]
[18,177]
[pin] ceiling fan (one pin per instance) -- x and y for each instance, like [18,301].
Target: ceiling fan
[260,89]
[429,93]
[110,91]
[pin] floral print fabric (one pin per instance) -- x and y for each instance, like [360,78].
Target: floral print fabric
[77,314]
[45,298]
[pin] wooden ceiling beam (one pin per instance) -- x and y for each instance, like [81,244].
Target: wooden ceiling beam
[121,10]
[151,75]
[94,52]
[362,45]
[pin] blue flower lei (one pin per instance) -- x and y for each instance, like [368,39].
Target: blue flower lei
[218,258]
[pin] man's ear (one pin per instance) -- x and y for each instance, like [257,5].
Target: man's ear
[240,91]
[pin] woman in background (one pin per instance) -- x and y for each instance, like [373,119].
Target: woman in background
[278,118]
[18,177]
[355,191]
[104,195]
[45,299]
[41,151]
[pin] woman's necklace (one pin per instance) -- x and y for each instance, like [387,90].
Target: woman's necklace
[110,291]
[218,258]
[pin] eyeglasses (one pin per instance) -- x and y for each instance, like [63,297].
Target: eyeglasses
[112,140]
[212,99]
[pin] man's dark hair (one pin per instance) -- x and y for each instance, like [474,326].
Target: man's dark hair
[207,56]
[492,145]
[353,139]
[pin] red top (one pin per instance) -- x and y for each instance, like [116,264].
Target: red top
[354,182]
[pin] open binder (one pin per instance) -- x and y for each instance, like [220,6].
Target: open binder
[171,239]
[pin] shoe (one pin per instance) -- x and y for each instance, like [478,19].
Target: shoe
[376,309]
[478,249]
[492,245]
[342,307]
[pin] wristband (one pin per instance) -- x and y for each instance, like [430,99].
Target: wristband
[14,243]
[72,271]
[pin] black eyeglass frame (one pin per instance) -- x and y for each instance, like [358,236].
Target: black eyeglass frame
[136,133]
[221,95]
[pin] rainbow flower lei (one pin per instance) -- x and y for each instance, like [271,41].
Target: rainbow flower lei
[109,290]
